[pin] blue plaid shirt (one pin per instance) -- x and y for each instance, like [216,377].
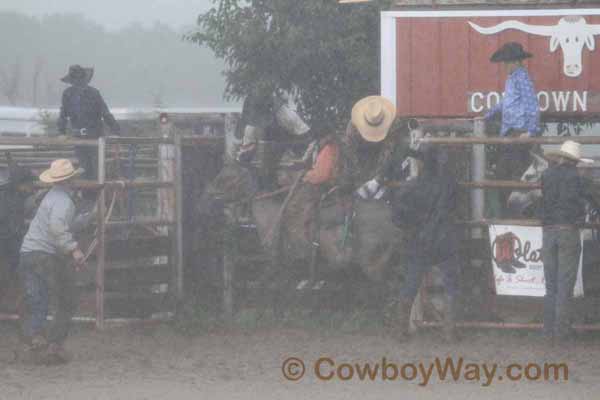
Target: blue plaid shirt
[519,105]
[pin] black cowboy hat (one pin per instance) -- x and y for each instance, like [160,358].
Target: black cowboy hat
[511,51]
[78,75]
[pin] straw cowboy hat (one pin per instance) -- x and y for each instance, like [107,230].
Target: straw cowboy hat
[60,170]
[78,75]
[373,116]
[570,150]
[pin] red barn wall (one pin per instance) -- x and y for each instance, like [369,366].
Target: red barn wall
[441,62]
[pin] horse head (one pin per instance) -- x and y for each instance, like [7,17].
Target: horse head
[234,184]
[524,203]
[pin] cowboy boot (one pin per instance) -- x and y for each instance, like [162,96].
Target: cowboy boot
[449,322]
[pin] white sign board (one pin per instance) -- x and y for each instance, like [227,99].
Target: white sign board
[517,261]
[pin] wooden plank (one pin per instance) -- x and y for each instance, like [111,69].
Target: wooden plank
[594,65]
[47,141]
[138,247]
[483,74]
[136,304]
[203,141]
[403,66]
[513,35]
[53,142]
[452,51]
[139,221]
[546,64]
[425,99]
[133,184]
[124,279]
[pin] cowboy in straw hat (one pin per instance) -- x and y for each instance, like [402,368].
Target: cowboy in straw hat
[373,117]
[519,108]
[363,147]
[564,193]
[44,267]
[60,171]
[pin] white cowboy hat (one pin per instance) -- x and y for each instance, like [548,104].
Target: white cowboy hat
[373,116]
[60,170]
[570,150]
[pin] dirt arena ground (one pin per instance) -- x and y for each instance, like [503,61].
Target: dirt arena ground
[158,362]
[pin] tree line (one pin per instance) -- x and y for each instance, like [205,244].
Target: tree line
[135,66]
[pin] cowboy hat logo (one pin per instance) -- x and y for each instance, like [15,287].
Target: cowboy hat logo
[571,34]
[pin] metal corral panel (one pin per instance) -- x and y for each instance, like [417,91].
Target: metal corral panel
[435,63]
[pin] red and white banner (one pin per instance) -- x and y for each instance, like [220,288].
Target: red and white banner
[517,261]
[437,63]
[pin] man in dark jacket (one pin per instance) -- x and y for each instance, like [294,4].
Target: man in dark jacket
[428,206]
[564,193]
[14,191]
[85,108]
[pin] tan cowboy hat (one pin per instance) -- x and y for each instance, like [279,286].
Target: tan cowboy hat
[60,170]
[570,150]
[373,116]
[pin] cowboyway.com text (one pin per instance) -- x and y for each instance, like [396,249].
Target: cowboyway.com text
[423,372]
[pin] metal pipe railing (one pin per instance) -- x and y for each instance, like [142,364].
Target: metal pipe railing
[464,141]
[69,142]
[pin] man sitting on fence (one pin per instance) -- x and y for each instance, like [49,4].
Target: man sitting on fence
[48,254]
[520,114]
[85,108]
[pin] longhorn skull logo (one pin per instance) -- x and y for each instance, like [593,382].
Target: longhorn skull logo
[571,34]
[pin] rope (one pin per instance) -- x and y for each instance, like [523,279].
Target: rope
[94,243]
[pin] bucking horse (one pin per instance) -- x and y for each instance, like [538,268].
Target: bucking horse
[371,246]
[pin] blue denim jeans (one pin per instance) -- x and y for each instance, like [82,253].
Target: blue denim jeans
[48,281]
[560,252]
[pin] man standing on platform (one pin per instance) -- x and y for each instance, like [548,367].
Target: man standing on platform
[564,193]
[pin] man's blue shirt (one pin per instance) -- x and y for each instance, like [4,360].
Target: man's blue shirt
[519,105]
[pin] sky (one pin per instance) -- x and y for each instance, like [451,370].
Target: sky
[115,14]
